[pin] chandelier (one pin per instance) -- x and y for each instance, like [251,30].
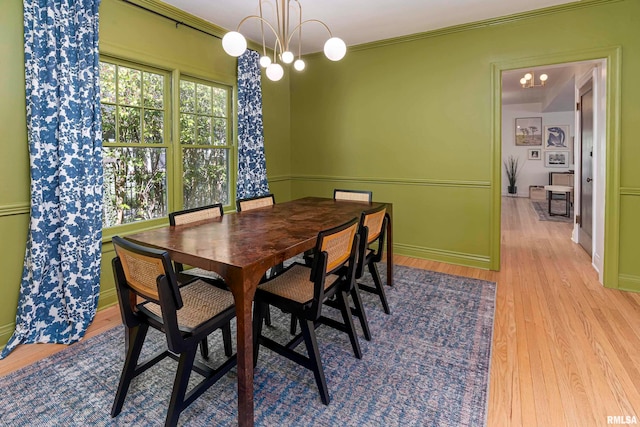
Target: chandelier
[235,43]
[528,81]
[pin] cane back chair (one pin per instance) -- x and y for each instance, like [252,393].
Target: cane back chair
[301,291]
[373,225]
[150,295]
[186,217]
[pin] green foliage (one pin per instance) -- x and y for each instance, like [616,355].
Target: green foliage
[203,123]
[133,121]
[135,178]
[511,167]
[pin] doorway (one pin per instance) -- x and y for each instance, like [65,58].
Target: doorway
[571,140]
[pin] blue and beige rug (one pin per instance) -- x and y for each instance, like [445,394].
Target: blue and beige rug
[557,206]
[428,365]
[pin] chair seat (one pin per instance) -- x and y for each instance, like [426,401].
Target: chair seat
[202,302]
[294,284]
[201,272]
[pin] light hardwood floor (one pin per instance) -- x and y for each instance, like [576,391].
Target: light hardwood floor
[566,351]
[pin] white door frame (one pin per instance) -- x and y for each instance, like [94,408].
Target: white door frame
[598,75]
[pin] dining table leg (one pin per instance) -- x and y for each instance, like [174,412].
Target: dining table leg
[243,296]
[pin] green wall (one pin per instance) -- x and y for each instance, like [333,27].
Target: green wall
[416,120]
[126,32]
[411,119]
[14,163]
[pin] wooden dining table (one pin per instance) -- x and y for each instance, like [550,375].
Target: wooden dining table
[242,246]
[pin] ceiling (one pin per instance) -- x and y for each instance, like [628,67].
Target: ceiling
[558,93]
[363,21]
[359,21]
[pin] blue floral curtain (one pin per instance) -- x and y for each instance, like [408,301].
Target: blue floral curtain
[61,275]
[252,164]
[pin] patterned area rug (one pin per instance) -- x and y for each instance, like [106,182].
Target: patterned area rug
[428,364]
[557,206]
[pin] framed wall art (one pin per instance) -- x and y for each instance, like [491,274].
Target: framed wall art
[556,159]
[529,131]
[534,154]
[556,137]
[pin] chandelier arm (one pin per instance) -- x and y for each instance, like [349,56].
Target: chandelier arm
[275,33]
[264,45]
[299,29]
[299,26]
[284,5]
[275,51]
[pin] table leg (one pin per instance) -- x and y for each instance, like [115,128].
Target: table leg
[243,300]
[567,198]
[550,196]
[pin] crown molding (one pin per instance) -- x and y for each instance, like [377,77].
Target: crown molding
[502,20]
[181,17]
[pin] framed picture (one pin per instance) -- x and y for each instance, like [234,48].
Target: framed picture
[534,154]
[529,131]
[556,136]
[556,159]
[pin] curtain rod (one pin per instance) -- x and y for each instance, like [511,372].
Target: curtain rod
[171,19]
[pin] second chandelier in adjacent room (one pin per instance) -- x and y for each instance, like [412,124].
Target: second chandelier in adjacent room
[528,81]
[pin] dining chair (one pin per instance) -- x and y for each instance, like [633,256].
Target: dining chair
[354,195]
[373,225]
[347,195]
[248,204]
[302,290]
[150,295]
[189,216]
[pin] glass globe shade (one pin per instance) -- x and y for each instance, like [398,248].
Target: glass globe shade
[543,77]
[523,81]
[335,49]
[265,61]
[287,57]
[527,76]
[299,65]
[275,72]
[234,43]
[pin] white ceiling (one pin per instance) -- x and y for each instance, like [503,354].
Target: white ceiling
[360,21]
[558,93]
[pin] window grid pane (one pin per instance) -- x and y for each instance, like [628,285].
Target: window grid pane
[129,85]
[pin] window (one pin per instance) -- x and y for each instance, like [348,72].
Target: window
[134,143]
[138,153]
[205,142]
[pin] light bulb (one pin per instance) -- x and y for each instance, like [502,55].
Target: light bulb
[523,81]
[335,49]
[275,72]
[543,77]
[234,43]
[528,76]
[299,64]
[265,61]
[287,57]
